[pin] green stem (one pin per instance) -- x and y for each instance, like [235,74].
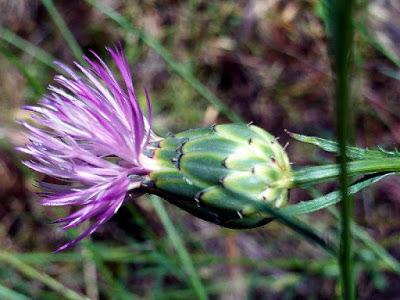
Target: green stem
[176,67]
[49,281]
[24,69]
[27,47]
[65,32]
[342,42]
[180,248]
[312,175]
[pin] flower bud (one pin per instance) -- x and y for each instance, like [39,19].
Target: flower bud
[206,171]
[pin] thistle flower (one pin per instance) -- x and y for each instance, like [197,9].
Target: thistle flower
[91,134]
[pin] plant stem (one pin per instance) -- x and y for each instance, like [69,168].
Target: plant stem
[49,281]
[176,67]
[318,174]
[24,69]
[65,32]
[27,47]
[295,224]
[180,248]
[342,38]
[309,206]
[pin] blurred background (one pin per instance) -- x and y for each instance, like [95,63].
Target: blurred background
[268,62]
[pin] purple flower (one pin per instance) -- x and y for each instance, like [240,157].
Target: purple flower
[90,133]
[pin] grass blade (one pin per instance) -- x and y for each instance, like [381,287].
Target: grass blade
[391,262]
[333,198]
[330,198]
[374,42]
[65,32]
[180,248]
[34,274]
[6,293]
[295,224]
[168,58]
[352,152]
[116,288]
[27,47]
[22,68]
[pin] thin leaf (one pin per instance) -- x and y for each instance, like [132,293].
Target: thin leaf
[65,32]
[115,288]
[391,262]
[374,42]
[178,244]
[24,70]
[36,275]
[9,294]
[168,58]
[352,152]
[330,198]
[27,47]
[323,10]
[395,74]
[296,225]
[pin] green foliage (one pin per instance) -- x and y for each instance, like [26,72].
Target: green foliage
[41,55]
[7,293]
[179,246]
[353,153]
[39,276]
[330,198]
[67,35]
[176,67]
[55,276]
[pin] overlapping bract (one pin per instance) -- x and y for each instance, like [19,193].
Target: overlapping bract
[209,171]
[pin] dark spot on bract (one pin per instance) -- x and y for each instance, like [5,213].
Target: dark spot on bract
[224,162]
[148,183]
[177,160]
[179,149]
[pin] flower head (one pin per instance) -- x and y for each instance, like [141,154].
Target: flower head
[91,133]
[210,172]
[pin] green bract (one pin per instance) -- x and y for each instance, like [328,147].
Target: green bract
[205,171]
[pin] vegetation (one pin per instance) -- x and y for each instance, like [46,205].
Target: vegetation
[279,64]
